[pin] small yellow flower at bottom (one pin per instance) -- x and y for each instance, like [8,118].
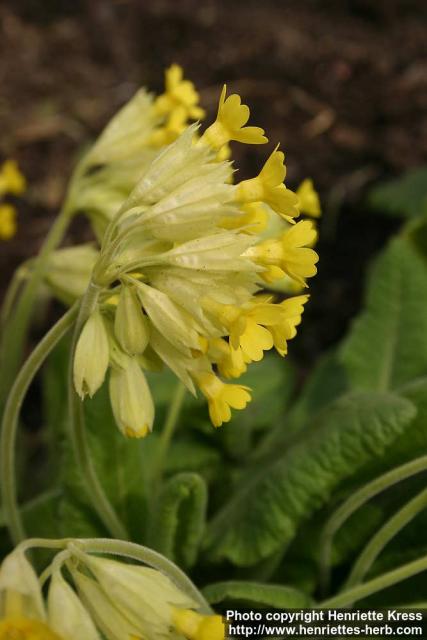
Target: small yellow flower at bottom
[25,629]
[7,221]
[195,626]
[221,396]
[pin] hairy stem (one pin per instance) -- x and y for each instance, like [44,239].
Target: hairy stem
[346,598]
[125,549]
[387,532]
[10,421]
[15,330]
[353,503]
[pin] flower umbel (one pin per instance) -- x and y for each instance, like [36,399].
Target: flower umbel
[181,267]
[101,598]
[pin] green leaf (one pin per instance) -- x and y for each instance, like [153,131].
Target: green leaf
[255,594]
[178,522]
[190,455]
[327,381]
[264,514]
[404,197]
[272,381]
[40,515]
[387,344]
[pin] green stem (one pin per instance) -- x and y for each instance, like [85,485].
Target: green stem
[18,278]
[167,432]
[125,549]
[10,421]
[15,330]
[387,532]
[353,503]
[389,579]
[82,452]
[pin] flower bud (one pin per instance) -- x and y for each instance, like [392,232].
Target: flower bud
[67,615]
[91,356]
[20,593]
[131,400]
[110,620]
[131,326]
[142,595]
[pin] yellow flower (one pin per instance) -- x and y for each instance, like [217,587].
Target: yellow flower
[11,179]
[309,202]
[253,219]
[24,629]
[290,254]
[179,93]
[7,221]
[230,124]
[195,626]
[268,187]
[285,330]
[189,236]
[221,396]
[174,125]
[229,361]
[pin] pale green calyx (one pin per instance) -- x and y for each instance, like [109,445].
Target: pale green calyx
[131,325]
[91,357]
[131,400]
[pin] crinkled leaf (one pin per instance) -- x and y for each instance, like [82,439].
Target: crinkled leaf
[178,522]
[326,382]
[257,594]
[387,344]
[272,501]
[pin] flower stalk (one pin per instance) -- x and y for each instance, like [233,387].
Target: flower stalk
[10,421]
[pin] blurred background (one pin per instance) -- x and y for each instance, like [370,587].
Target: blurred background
[341,84]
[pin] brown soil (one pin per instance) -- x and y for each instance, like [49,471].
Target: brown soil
[342,84]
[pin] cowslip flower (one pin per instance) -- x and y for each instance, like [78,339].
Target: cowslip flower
[309,202]
[179,94]
[230,124]
[290,254]
[102,598]
[7,221]
[12,182]
[180,271]
[268,187]
[11,179]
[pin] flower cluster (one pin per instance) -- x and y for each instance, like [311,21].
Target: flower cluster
[183,261]
[90,597]
[11,182]
[129,143]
